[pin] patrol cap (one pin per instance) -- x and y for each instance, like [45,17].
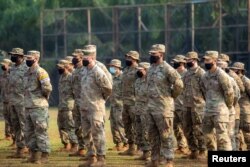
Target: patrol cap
[238,66]
[179,59]
[17,51]
[192,55]
[77,52]
[69,58]
[143,65]
[116,63]
[63,63]
[33,53]
[224,57]
[133,54]
[6,62]
[211,55]
[157,48]
[89,49]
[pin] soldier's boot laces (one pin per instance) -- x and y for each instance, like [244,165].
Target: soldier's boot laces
[145,156]
[37,157]
[153,163]
[31,158]
[79,153]
[19,154]
[131,150]
[45,158]
[91,160]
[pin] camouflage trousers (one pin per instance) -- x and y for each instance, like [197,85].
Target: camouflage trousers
[94,133]
[9,132]
[36,129]
[116,124]
[66,127]
[245,127]
[192,123]
[141,131]
[128,118]
[78,127]
[161,136]
[17,114]
[217,126]
[178,129]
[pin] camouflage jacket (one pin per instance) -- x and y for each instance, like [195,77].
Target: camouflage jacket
[4,83]
[238,80]
[105,70]
[236,97]
[192,93]
[66,97]
[179,100]
[37,87]
[116,96]
[245,97]
[128,89]
[141,98]
[219,92]
[16,83]
[96,88]
[164,84]
[76,84]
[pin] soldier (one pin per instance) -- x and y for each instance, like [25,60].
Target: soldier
[164,84]
[6,65]
[117,127]
[76,84]
[16,95]
[239,69]
[65,121]
[219,95]
[234,114]
[37,92]
[71,65]
[194,104]
[179,63]
[141,114]
[128,91]
[96,88]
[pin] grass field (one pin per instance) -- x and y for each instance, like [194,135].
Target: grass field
[61,159]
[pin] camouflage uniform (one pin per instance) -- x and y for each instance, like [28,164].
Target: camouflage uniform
[65,121]
[16,95]
[244,105]
[219,95]
[194,104]
[5,99]
[128,91]
[141,114]
[164,84]
[96,88]
[37,91]
[117,127]
[178,114]
[76,84]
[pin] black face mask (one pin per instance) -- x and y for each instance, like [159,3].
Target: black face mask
[139,74]
[190,64]
[227,70]
[14,59]
[29,63]
[85,62]
[75,61]
[176,65]
[61,71]
[4,68]
[128,63]
[154,59]
[237,72]
[208,66]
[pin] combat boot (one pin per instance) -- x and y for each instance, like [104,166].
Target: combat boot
[9,138]
[31,159]
[19,154]
[202,154]
[145,156]
[184,151]
[66,147]
[37,157]
[131,150]
[91,161]
[100,162]
[169,163]
[74,147]
[193,155]
[153,163]
[45,158]
[79,153]
[118,147]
